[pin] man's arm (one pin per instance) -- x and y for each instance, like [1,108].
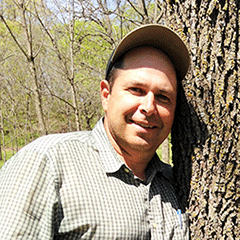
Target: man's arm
[27,196]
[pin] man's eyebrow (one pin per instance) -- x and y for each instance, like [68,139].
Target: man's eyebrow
[160,91]
[169,93]
[136,83]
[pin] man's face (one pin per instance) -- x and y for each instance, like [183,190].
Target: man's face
[139,110]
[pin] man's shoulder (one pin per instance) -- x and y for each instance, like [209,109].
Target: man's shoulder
[43,147]
[49,141]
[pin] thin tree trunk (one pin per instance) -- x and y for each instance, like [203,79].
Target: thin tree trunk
[2,147]
[165,151]
[33,71]
[72,75]
[15,133]
[38,99]
[31,62]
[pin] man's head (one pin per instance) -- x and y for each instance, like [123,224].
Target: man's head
[139,107]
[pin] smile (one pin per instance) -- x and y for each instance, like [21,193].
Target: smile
[145,125]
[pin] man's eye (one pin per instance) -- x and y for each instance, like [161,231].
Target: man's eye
[136,90]
[162,98]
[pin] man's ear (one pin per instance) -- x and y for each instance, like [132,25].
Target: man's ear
[105,92]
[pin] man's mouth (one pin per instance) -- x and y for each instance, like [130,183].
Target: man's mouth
[144,125]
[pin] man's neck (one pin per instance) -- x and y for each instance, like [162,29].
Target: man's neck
[137,162]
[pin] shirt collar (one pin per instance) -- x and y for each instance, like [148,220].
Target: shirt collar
[110,160]
[156,165]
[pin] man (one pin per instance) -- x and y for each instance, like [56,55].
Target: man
[107,183]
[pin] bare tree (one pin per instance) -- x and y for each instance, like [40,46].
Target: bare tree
[70,58]
[148,11]
[27,49]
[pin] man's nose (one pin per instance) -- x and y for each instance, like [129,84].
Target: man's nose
[148,106]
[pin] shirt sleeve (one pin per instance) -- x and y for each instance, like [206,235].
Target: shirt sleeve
[28,197]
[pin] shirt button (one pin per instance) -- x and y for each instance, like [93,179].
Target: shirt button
[154,225]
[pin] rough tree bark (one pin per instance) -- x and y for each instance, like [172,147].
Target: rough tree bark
[206,131]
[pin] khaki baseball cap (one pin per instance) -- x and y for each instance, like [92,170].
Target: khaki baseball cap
[158,36]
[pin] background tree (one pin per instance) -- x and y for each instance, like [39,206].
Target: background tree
[206,131]
[30,51]
[64,55]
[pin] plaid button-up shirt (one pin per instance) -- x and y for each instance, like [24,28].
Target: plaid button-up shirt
[75,186]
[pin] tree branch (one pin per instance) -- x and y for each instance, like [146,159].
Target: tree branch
[13,36]
[135,9]
[59,98]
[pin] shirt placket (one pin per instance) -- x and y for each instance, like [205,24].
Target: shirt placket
[156,218]
[144,189]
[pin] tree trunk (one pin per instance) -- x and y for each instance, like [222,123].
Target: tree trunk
[28,53]
[2,145]
[71,71]
[31,62]
[37,98]
[206,130]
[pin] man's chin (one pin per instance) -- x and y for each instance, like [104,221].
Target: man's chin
[144,145]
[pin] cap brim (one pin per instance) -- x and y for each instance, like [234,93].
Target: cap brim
[157,36]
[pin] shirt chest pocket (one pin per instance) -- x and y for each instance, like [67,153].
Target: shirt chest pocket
[181,229]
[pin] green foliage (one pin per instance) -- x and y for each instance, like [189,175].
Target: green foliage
[9,154]
[94,37]
[1,163]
